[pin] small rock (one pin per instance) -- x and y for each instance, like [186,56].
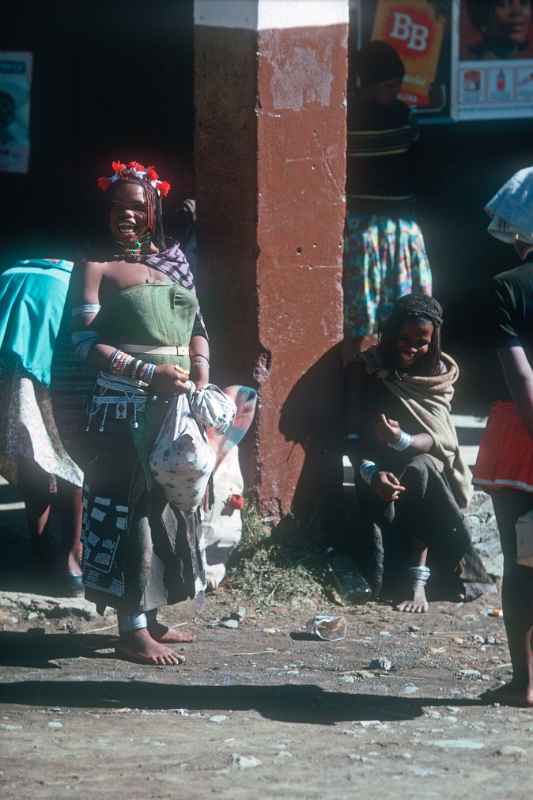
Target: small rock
[490,640]
[413,628]
[453,709]
[283,754]
[55,724]
[385,634]
[370,723]
[244,762]
[347,679]
[478,639]
[469,674]
[406,756]
[511,751]
[358,758]
[410,689]
[217,718]
[494,612]
[271,631]
[229,623]
[383,664]
[364,674]
[458,744]
[421,772]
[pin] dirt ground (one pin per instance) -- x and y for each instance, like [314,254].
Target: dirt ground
[263,710]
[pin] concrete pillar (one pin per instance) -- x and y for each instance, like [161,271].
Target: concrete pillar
[270,89]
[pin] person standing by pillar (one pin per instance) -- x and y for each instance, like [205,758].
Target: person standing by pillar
[384,252]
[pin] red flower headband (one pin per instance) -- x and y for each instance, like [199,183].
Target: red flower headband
[134,170]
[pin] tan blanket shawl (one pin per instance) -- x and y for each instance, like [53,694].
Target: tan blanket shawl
[428,400]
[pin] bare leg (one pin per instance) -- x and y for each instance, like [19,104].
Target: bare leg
[34,486]
[517,602]
[419,603]
[71,504]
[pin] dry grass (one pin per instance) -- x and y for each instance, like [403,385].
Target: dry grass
[278,567]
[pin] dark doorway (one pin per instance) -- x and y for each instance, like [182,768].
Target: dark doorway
[111,80]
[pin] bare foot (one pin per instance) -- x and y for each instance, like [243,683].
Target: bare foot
[140,647]
[165,635]
[511,694]
[418,605]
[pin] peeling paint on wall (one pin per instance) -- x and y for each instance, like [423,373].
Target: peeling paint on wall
[304,76]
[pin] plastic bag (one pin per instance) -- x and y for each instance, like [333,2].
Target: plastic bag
[181,460]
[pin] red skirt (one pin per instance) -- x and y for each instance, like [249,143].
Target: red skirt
[505,459]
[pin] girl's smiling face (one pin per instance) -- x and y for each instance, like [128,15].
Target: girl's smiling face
[413,342]
[128,220]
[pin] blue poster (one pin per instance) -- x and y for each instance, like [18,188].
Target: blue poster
[15,92]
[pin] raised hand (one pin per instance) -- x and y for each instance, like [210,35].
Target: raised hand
[388,430]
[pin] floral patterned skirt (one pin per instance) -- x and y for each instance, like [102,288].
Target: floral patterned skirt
[384,258]
[28,430]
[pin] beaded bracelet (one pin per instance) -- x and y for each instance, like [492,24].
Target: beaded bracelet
[145,372]
[134,367]
[120,362]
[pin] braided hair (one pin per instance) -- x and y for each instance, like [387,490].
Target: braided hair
[418,307]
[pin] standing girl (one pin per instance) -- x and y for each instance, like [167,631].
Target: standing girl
[505,461]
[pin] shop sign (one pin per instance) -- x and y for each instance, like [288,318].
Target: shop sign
[416,31]
[492,58]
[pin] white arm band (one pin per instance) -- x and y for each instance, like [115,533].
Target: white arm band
[403,442]
[86,308]
[367,470]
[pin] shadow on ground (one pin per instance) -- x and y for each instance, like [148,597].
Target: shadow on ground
[285,703]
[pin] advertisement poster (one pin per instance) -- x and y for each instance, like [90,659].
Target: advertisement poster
[492,54]
[15,87]
[416,29]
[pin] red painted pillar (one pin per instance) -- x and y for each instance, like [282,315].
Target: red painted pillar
[270,166]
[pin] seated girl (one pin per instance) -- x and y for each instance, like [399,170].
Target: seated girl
[411,481]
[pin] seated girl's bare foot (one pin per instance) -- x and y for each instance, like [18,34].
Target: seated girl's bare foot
[165,635]
[140,647]
[511,694]
[418,605]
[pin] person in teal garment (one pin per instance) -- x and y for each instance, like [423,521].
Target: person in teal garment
[136,319]
[33,455]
